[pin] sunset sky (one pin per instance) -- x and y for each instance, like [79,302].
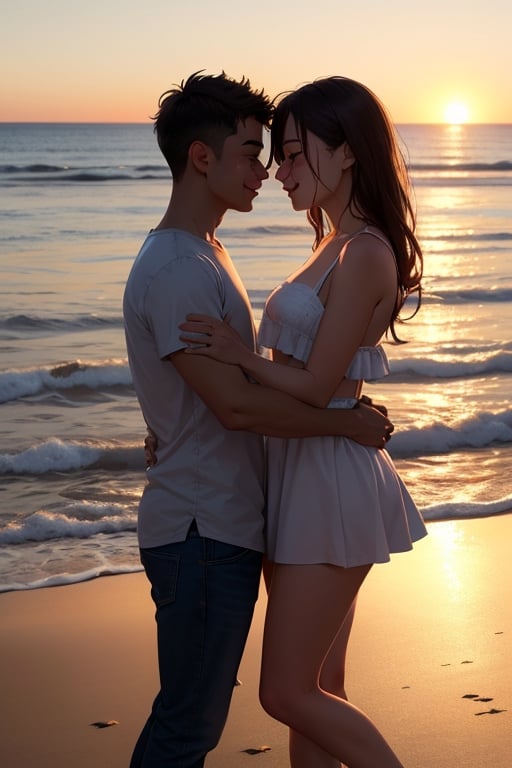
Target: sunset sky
[109,60]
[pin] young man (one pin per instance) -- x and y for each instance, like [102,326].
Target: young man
[201,520]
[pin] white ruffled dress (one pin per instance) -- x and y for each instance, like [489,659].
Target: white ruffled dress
[329,499]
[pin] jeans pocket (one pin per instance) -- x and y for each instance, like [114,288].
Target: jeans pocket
[162,571]
[220,553]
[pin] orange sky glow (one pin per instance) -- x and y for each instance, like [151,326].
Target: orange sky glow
[91,63]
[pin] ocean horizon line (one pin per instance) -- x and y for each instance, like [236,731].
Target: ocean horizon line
[468,124]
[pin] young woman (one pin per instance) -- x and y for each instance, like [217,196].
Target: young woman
[334,507]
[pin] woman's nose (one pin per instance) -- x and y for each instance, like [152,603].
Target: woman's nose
[282,172]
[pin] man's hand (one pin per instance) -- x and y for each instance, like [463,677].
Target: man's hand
[150,448]
[368,401]
[372,426]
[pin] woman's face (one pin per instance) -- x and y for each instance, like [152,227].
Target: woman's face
[313,179]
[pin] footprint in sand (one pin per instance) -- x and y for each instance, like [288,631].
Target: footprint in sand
[477,697]
[104,723]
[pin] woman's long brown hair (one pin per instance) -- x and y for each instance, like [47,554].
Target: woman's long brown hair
[338,110]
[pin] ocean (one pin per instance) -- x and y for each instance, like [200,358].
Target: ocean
[75,204]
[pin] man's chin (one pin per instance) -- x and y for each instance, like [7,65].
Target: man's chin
[243,207]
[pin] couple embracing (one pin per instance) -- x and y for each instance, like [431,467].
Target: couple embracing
[274,453]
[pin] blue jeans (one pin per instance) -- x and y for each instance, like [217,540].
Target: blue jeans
[204,592]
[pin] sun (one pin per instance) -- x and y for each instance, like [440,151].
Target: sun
[456,113]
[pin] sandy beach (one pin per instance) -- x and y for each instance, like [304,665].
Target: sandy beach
[430,661]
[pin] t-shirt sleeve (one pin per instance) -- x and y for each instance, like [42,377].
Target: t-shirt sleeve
[189,284]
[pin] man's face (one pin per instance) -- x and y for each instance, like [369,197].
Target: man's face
[235,177]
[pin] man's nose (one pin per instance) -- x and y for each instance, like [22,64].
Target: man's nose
[263,173]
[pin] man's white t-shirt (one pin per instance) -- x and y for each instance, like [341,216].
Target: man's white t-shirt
[204,471]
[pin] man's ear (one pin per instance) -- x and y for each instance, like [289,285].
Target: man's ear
[348,156]
[200,155]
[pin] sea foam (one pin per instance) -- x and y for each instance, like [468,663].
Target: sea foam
[79,520]
[438,438]
[56,455]
[15,384]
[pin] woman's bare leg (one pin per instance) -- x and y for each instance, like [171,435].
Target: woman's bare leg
[332,675]
[304,753]
[307,606]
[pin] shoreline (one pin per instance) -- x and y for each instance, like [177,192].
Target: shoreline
[429,661]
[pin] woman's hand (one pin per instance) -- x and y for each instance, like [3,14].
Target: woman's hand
[213,338]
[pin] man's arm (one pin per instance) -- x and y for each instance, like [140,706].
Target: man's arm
[238,404]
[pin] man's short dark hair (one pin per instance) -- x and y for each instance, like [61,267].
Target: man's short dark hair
[205,108]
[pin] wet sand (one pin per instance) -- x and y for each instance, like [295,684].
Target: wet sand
[430,661]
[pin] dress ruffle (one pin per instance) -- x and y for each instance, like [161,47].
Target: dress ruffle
[287,340]
[369,363]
